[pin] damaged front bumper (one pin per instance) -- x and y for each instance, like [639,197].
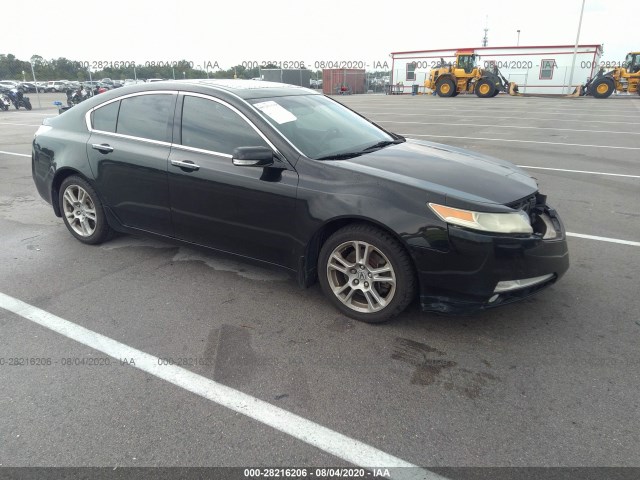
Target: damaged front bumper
[484,270]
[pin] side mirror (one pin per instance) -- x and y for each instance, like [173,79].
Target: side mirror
[253,157]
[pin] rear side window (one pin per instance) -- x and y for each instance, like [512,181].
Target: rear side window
[147,116]
[105,118]
[209,125]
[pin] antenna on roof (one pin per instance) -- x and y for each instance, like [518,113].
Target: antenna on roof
[485,40]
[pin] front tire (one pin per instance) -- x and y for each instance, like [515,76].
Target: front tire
[602,88]
[82,211]
[366,273]
[485,88]
[446,88]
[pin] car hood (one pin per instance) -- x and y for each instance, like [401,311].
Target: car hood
[452,171]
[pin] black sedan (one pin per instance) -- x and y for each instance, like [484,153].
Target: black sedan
[290,177]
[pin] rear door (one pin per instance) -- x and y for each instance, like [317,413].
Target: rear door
[128,152]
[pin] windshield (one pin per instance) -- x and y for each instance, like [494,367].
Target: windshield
[319,127]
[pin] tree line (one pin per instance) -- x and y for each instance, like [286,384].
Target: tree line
[12,68]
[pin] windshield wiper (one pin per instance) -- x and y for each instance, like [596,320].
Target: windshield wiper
[341,156]
[377,146]
[384,143]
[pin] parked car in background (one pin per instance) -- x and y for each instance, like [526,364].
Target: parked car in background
[8,84]
[95,87]
[57,86]
[27,87]
[155,80]
[290,177]
[108,83]
[131,81]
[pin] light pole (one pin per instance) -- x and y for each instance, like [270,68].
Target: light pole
[518,44]
[575,48]
[23,77]
[33,72]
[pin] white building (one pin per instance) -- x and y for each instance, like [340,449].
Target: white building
[539,70]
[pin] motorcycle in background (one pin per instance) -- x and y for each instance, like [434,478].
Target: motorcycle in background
[75,96]
[18,99]
[5,102]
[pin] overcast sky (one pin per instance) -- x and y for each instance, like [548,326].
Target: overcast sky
[232,31]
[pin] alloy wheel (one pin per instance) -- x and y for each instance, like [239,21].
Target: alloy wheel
[361,276]
[79,210]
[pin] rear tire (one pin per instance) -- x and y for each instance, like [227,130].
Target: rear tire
[446,88]
[27,105]
[602,88]
[485,88]
[82,211]
[366,273]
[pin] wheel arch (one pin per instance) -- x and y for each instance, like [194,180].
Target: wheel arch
[307,270]
[59,177]
[450,76]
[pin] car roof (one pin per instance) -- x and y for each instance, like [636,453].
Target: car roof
[245,89]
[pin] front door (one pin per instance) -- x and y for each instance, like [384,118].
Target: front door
[243,210]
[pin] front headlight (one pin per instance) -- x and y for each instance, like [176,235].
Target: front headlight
[515,222]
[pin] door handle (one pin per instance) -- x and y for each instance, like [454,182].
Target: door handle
[102,147]
[185,164]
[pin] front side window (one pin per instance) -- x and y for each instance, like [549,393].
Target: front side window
[147,116]
[632,62]
[468,63]
[318,126]
[209,125]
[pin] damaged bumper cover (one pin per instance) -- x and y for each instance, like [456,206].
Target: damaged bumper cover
[484,270]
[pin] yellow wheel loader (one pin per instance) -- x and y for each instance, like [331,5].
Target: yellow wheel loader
[622,79]
[465,76]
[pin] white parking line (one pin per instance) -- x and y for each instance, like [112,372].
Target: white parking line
[464,115]
[521,141]
[16,154]
[603,239]
[579,171]
[24,124]
[525,110]
[34,113]
[494,126]
[332,442]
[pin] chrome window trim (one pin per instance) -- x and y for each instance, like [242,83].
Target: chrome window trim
[178,146]
[233,109]
[87,116]
[131,137]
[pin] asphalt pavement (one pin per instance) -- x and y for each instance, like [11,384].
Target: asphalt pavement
[550,381]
